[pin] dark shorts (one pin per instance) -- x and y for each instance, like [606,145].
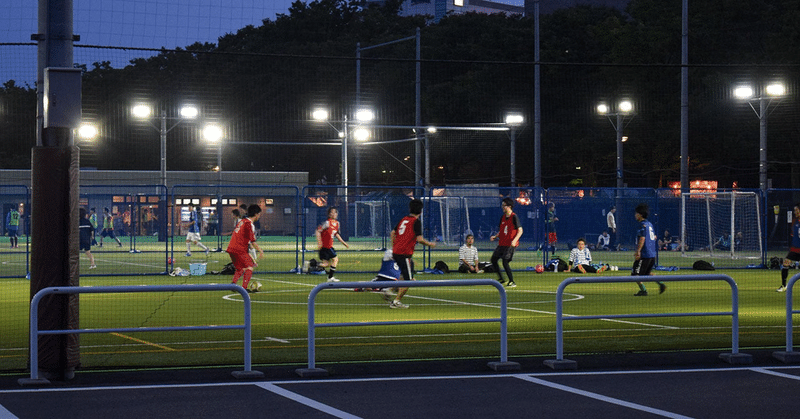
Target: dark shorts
[12,231]
[86,245]
[643,267]
[793,256]
[504,252]
[327,253]
[108,233]
[406,266]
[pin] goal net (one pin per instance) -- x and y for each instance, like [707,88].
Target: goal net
[721,224]
[450,218]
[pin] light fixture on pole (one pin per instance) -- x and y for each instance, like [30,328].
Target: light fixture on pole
[360,133]
[213,134]
[772,92]
[186,112]
[624,111]
[513,120]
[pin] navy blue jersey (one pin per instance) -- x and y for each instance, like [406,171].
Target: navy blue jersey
[649,250]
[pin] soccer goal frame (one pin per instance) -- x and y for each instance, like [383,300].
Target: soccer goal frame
[449,226]
[721,224]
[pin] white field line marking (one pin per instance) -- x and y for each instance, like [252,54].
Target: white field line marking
[306,401]
[269,338]
[775,373]
[5,414]
[602,398]
[578,296]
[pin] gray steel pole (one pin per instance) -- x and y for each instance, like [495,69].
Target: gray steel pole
[620,180]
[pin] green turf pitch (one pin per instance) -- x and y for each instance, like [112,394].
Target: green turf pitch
[280,313]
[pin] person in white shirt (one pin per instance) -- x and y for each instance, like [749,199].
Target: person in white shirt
[611,223]
[603,241]
[468,256]
[580,259]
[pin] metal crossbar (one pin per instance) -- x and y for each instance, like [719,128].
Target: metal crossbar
[35,332]
[734,357]
[312,325]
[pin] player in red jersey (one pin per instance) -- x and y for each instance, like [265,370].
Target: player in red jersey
[405,237]
[325,235]
[507,241]
[242,237]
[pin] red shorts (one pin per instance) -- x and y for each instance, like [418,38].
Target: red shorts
[551,238]
[242,260]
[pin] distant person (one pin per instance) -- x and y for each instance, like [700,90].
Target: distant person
[326,232]
[646,250]
[195,226]
[468,256]
[580,259]
[510,231]
[93,222]
[405,236]
[86,232]
[242,239]
[213,223]
[665,242]
[108,227]
[611,224]
[603,241]
[794,248]
[12,227]
[550,226]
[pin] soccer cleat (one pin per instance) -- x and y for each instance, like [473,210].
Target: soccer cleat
[662,288]
[92,266]
[386,294]
[511,284]
[207,250]
[781,289]
[641,294]
[120,244]
[188,254]
[397,304]
[501,280]
[333,279]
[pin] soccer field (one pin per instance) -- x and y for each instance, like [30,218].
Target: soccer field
[280,317]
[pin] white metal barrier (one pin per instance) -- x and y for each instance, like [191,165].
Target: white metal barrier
[734,357]
[35,332]
[503,365]
[789,356]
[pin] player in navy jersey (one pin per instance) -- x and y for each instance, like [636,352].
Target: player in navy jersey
[510,231]
[646,250]
[794,249]
[405,237]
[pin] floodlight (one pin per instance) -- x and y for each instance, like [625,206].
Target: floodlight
[743,92]
[141,111]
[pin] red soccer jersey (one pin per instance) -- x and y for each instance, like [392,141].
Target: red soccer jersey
[241,237]
[328,231]
[405,235]
[508,229]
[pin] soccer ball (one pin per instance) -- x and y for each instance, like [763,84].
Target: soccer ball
[254,286]
[170,261]
[539,268]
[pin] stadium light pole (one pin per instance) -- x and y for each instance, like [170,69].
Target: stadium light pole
[514,120]
[360,133]
[772,92]
[186,112]
[624,112]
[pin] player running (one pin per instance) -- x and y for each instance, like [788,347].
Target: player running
[646,250]
[241,239]
[325,235]
[405,237]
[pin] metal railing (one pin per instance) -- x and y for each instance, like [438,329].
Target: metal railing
[789,356]
[35,332]
[734,357]
[503,365]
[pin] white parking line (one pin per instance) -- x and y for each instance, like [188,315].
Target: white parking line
[601,398]
[5,414]
[306,401]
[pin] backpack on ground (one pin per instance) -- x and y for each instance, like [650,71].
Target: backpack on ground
[702,265]
[440,265]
